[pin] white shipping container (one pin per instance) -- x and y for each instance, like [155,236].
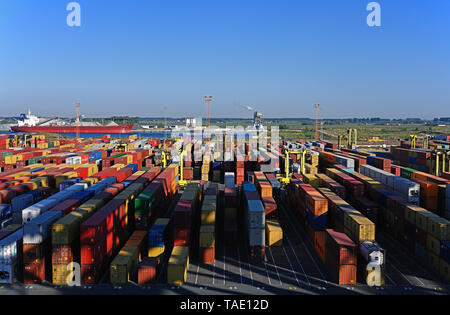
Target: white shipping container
[37,230]
[35,210]
[372,252]
[347,162]
[257,237]
[8,247]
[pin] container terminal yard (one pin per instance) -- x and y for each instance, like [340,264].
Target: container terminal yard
[223,215]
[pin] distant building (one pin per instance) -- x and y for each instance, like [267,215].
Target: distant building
[258,119]
[191,123]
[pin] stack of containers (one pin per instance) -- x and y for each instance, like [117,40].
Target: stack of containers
[66,231]
[353,187]
[240,169]
[314,211]
[178,265]
[340,257]
[126,262]
[380,163]
[255,222]
[37,247]
[345,161]
[160,242]
[230,209]
[11,257]
[207,234]
[265,190]
[372,263]
[409,190]
[325,181]
[24,201]
[274,233]
[183,214]
[206,166]
[35,210]
[144,202]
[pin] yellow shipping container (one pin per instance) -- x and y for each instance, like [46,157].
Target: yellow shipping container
[60,274]
[274,233]
[92,180]
[310,169]
[207,237]
[348,222]
[410,213]
[139,173]
[10,159]
[129,159]
[178,265]
[362,229]
[118,166]
[208,216]
[422,218]
[439,228]
[43,180]
[311,179]
[156,251]
[65,176]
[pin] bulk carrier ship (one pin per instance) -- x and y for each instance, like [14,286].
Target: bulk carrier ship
[32,123]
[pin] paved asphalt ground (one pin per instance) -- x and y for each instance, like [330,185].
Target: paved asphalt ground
[294,268]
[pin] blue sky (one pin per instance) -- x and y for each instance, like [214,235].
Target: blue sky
[134,57]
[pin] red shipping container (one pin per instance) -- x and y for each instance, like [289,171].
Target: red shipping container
[148,269]
[181,237]
[344,274]
[34,273]
[83,172]
[90,274]
[270,205]
[7,195]
[340,248]
[93,254]
[67,206]
[207,255]
[64,254]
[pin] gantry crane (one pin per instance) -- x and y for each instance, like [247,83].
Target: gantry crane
[182,182]
[286,178]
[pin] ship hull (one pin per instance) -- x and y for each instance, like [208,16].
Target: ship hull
[73,129]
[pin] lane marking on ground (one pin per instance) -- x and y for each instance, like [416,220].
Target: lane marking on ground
[301,266]
[239,261]
[276,267]
[293,271]
[304,245]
